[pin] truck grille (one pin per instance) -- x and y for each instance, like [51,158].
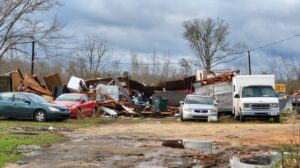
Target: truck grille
[260,106]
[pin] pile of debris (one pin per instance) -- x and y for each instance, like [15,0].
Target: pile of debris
[116,95]
[17,82]
[217,85]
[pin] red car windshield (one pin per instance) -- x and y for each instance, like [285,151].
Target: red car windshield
[72,98]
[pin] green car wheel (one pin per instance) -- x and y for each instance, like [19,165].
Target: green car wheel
[40,116]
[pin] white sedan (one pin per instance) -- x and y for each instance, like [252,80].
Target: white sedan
[198,107]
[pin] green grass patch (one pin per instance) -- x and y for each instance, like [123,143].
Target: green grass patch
[8,142]
[10,137]
[70,123]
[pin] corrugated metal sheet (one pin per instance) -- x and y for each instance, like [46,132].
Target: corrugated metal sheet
[5,84]
[52,81]
[222,91]
[173,97]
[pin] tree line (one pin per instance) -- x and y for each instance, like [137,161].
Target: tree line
[93,57]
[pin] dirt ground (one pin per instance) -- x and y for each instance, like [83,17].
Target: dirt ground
[138,143]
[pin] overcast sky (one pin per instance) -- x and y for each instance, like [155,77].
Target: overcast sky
[144,25]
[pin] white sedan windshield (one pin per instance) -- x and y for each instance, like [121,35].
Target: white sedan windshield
[198,100]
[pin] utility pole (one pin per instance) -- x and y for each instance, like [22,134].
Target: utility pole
[249,62]
[32,58]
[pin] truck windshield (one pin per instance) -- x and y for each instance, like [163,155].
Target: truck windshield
[198,100]
[258,91]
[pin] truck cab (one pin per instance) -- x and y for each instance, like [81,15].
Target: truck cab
[254,97]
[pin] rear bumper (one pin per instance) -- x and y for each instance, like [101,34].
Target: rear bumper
[260,113]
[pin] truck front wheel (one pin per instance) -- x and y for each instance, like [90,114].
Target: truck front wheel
[242,118]
[277,118]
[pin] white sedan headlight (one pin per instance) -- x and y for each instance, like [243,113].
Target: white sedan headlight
[186,108]
[53,109]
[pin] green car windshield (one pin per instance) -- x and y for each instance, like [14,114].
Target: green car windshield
[198,100]
[37,98]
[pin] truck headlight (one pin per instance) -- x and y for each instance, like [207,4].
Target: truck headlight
[245,105]
[53,109]
[274,105]
[188,109]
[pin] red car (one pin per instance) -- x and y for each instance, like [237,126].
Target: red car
[79,104]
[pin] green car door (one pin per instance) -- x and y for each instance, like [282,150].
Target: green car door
[6,104]
[22,107]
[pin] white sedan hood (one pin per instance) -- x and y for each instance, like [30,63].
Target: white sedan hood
[200,106]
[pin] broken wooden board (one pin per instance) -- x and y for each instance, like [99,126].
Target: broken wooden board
[122,89]
[168,113]
[34,85]
[48,98]
[128,110]
[16,79]
[53,80]
[111,112]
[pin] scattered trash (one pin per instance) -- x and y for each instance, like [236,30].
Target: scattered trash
[203,146]
[252,162]
[111,112]
[51,128]
[173,144]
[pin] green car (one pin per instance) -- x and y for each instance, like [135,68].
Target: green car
[23,105]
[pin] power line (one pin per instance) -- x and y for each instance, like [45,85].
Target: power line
[228,54]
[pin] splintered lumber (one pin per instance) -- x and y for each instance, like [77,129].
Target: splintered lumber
[52,81]
[168,113]
[111,112]
[49,98]
[16,79]
[34,85]
[122,89]
[128,110]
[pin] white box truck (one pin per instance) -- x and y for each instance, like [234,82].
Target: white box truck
[254,96]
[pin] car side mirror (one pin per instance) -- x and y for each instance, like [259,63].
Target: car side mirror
[82,101]
[27,102]
[236,96]
[181,102]
[216,102]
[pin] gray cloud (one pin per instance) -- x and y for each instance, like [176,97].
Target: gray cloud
[142,25]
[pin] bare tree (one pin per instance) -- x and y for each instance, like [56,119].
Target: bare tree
[17,26]
[134,65]
[185,67]
[93,53]
[207,37]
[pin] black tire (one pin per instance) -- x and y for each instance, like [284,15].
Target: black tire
[242,118]
[181,117]
[40,116]
[94,112]
[78,113]
[277,119]
[236,117]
